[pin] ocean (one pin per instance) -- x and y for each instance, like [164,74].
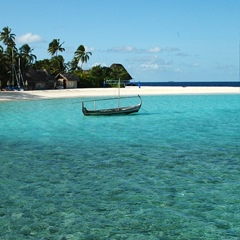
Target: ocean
[190,84]
[171,171]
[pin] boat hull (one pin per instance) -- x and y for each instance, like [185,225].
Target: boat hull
[112,111]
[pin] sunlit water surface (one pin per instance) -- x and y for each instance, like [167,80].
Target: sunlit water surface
[172,171]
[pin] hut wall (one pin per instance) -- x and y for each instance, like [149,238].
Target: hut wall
[71,84]
[40,86]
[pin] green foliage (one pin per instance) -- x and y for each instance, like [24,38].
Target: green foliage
[7,37]
[57,65]
[119,72]
[55,46]
[85,80]
[7,55]
[3,68]
[54,65]
[10,57]
[43,64]
[26,56]
[97,75]
[81,55]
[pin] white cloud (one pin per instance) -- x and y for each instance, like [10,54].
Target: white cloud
[195,64]
[149,66]
[178,70]
[151,63]
[131,49]
[227,67]
[29,38]
[191,65]
[154,50]
[99,64]
[182,54]
[122,49]
[89,49]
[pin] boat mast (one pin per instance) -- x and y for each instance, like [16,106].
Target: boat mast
[20,77]
[119,93]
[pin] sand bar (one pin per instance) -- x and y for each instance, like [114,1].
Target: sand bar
[102,92]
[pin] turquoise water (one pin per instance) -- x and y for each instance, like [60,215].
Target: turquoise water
[172,171]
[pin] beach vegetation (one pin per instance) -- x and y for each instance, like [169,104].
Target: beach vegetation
[119,72]
[26,55]
[57,65]
[7,37]
[81,55]
[72,66]
[7,55]
[55,46]
[15,60]
[97,75]
[53,66]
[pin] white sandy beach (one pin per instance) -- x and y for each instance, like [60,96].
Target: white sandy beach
[98,92]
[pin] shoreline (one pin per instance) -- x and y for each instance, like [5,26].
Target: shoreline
[106,92]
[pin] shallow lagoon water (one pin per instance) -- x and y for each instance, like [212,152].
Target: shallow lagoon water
[172,171]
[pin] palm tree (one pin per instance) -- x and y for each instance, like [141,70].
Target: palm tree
[73,65]
[55,46]
[26,55]
[7,37]
[57,65]
[2,63]
[81,55]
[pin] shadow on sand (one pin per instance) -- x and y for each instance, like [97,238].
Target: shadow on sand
[18,95]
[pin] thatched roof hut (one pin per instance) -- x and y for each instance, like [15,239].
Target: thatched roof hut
[67,80]
[39,79]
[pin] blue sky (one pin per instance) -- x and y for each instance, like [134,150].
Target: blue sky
[156,40]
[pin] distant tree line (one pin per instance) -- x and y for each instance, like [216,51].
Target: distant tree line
[13,58]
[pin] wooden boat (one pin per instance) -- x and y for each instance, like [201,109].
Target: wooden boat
[111,111]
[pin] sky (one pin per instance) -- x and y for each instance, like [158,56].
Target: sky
[155,40]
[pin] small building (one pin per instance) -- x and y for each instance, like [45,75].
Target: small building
[38,79]
[66,80]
